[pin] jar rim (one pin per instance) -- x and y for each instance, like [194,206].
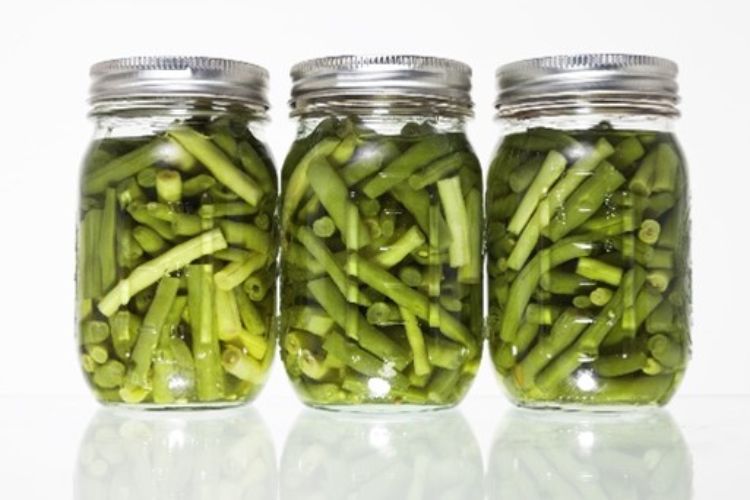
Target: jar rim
[595,81]
[148,77]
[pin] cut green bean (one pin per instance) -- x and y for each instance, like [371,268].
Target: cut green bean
[585,200]
[600,296]
[416,341]
[385,283]
[324,227]
[150,272]
[566,329]
[550,171]
[419,155]
[298,182]
[360,360]
[405,245]
[649,231]
[235,273]
[169,186]
[599,271]
[355,325]
[121,168]
[334,196]
[439,169]
[149,331]
[216,161]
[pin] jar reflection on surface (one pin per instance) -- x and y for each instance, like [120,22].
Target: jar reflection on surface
[425,456]
[224,455]
[595,456]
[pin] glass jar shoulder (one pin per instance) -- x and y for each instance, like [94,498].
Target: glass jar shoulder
[531,145]
[352,140]
[129,144]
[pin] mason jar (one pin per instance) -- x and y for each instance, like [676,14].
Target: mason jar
[381,221]
[177,234]
[588,233]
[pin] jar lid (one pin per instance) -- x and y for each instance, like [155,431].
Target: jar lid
[188,76]
[592,80]
[381,81]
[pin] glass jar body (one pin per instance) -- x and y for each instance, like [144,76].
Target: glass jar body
[381,261]
[589,261]
[176,257]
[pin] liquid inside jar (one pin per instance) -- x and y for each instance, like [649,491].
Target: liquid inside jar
[176,264]
[588,262]
[381,264]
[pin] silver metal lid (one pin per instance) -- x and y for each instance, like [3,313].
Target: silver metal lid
[592,80]
[189,76]
[437,82]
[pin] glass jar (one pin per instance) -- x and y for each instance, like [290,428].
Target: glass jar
[176,234]
[588,233]
[381,234]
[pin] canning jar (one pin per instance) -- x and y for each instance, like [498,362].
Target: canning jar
[588,233]
[176,234]
[381,226]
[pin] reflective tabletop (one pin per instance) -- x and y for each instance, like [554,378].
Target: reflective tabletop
[71,448]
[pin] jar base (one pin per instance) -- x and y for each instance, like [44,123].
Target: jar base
[383,409]
[586,408]
[179,407]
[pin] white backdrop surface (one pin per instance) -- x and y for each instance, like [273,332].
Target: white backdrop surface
[46,48]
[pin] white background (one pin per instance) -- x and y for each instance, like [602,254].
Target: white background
[47,47]
[47,418]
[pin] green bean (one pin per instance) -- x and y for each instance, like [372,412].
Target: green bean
[218,164]
[354,324]
[550,171]
[148,333]
[418,156]
[333,194]
[585,200]
[565,330]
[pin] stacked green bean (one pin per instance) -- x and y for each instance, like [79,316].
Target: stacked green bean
[176,265]
[381,265]
[589,266]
